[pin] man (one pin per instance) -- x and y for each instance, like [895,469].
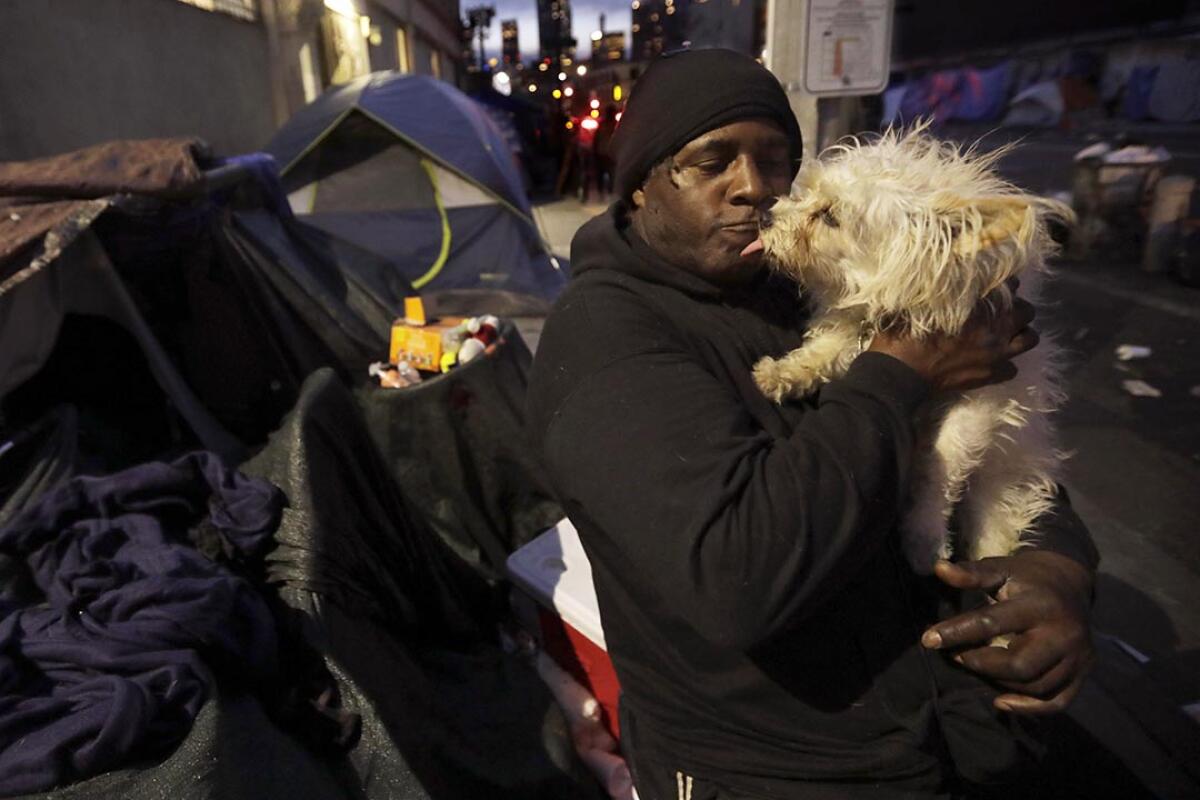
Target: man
[770,640]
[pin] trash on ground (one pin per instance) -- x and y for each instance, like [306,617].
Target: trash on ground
[394,376]
[1130,154]
[1081,333]
[1140,389]
[1097,150]
[1194,391]
[1128,352]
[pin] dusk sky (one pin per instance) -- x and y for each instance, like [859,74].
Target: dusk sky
[585,18]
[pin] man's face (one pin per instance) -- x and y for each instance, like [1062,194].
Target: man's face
[699,209]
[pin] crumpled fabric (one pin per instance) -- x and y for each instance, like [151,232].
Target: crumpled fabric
[112,625]
[167,168]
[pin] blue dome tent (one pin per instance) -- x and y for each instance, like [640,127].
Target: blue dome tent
[411,169]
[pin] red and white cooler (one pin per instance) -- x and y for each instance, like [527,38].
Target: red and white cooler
[555,571]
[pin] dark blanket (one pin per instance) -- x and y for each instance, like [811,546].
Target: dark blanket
[155,167]
[111,623]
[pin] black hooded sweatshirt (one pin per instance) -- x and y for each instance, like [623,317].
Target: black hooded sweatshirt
[759,615]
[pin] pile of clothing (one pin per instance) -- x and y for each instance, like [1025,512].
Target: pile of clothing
[113,621]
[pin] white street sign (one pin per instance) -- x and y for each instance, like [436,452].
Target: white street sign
[849,46]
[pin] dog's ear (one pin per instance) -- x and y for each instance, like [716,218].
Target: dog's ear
[979,223]
[1005,218]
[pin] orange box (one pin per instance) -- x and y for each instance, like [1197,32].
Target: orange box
[420,345]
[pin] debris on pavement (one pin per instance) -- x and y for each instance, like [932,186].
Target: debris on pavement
[1130,154]
[1140,389]
[1128,352]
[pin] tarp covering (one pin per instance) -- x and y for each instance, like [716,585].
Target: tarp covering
[400,625]
[1176,93]
[1138,87]
[156,327]
[453,441]
[445,713]
[966,94]
[1040,105]
[984,93]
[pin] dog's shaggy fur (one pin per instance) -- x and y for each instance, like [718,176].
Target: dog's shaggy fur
[909,231]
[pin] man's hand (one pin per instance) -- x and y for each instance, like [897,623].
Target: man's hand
[979,355]
[1043,601]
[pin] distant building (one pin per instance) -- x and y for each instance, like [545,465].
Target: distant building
[658,26]
[722,23]
[510,48]
[607,45]
[554,30]
[610,48]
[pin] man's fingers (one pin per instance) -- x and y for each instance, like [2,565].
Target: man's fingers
[988,574]
[979,626]
[1033,706]
[1021,668]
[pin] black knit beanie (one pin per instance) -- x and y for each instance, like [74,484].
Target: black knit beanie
[688,93]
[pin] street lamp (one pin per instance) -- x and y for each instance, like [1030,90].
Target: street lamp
[480,19]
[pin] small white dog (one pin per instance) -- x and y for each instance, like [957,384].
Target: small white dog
[907,230]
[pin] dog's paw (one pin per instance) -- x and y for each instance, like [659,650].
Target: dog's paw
[768,376]
[779,378]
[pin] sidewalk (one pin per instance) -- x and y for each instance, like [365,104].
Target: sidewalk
[558,219]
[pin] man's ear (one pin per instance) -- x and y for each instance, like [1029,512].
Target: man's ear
[638,198]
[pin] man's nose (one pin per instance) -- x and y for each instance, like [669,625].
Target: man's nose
[750,187]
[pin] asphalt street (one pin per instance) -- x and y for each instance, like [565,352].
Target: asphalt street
[1135,472]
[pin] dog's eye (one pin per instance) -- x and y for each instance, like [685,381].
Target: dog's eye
[828,218]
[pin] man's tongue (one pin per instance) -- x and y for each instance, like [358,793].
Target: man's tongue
[752,248]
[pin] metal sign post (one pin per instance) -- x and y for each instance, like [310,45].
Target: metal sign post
[784,56]
[827,48]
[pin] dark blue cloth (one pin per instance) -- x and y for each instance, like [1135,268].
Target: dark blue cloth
[983,93]
[112,624]
[1137,92]
[265,171]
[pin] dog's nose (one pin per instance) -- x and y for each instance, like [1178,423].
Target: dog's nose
[765,220]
